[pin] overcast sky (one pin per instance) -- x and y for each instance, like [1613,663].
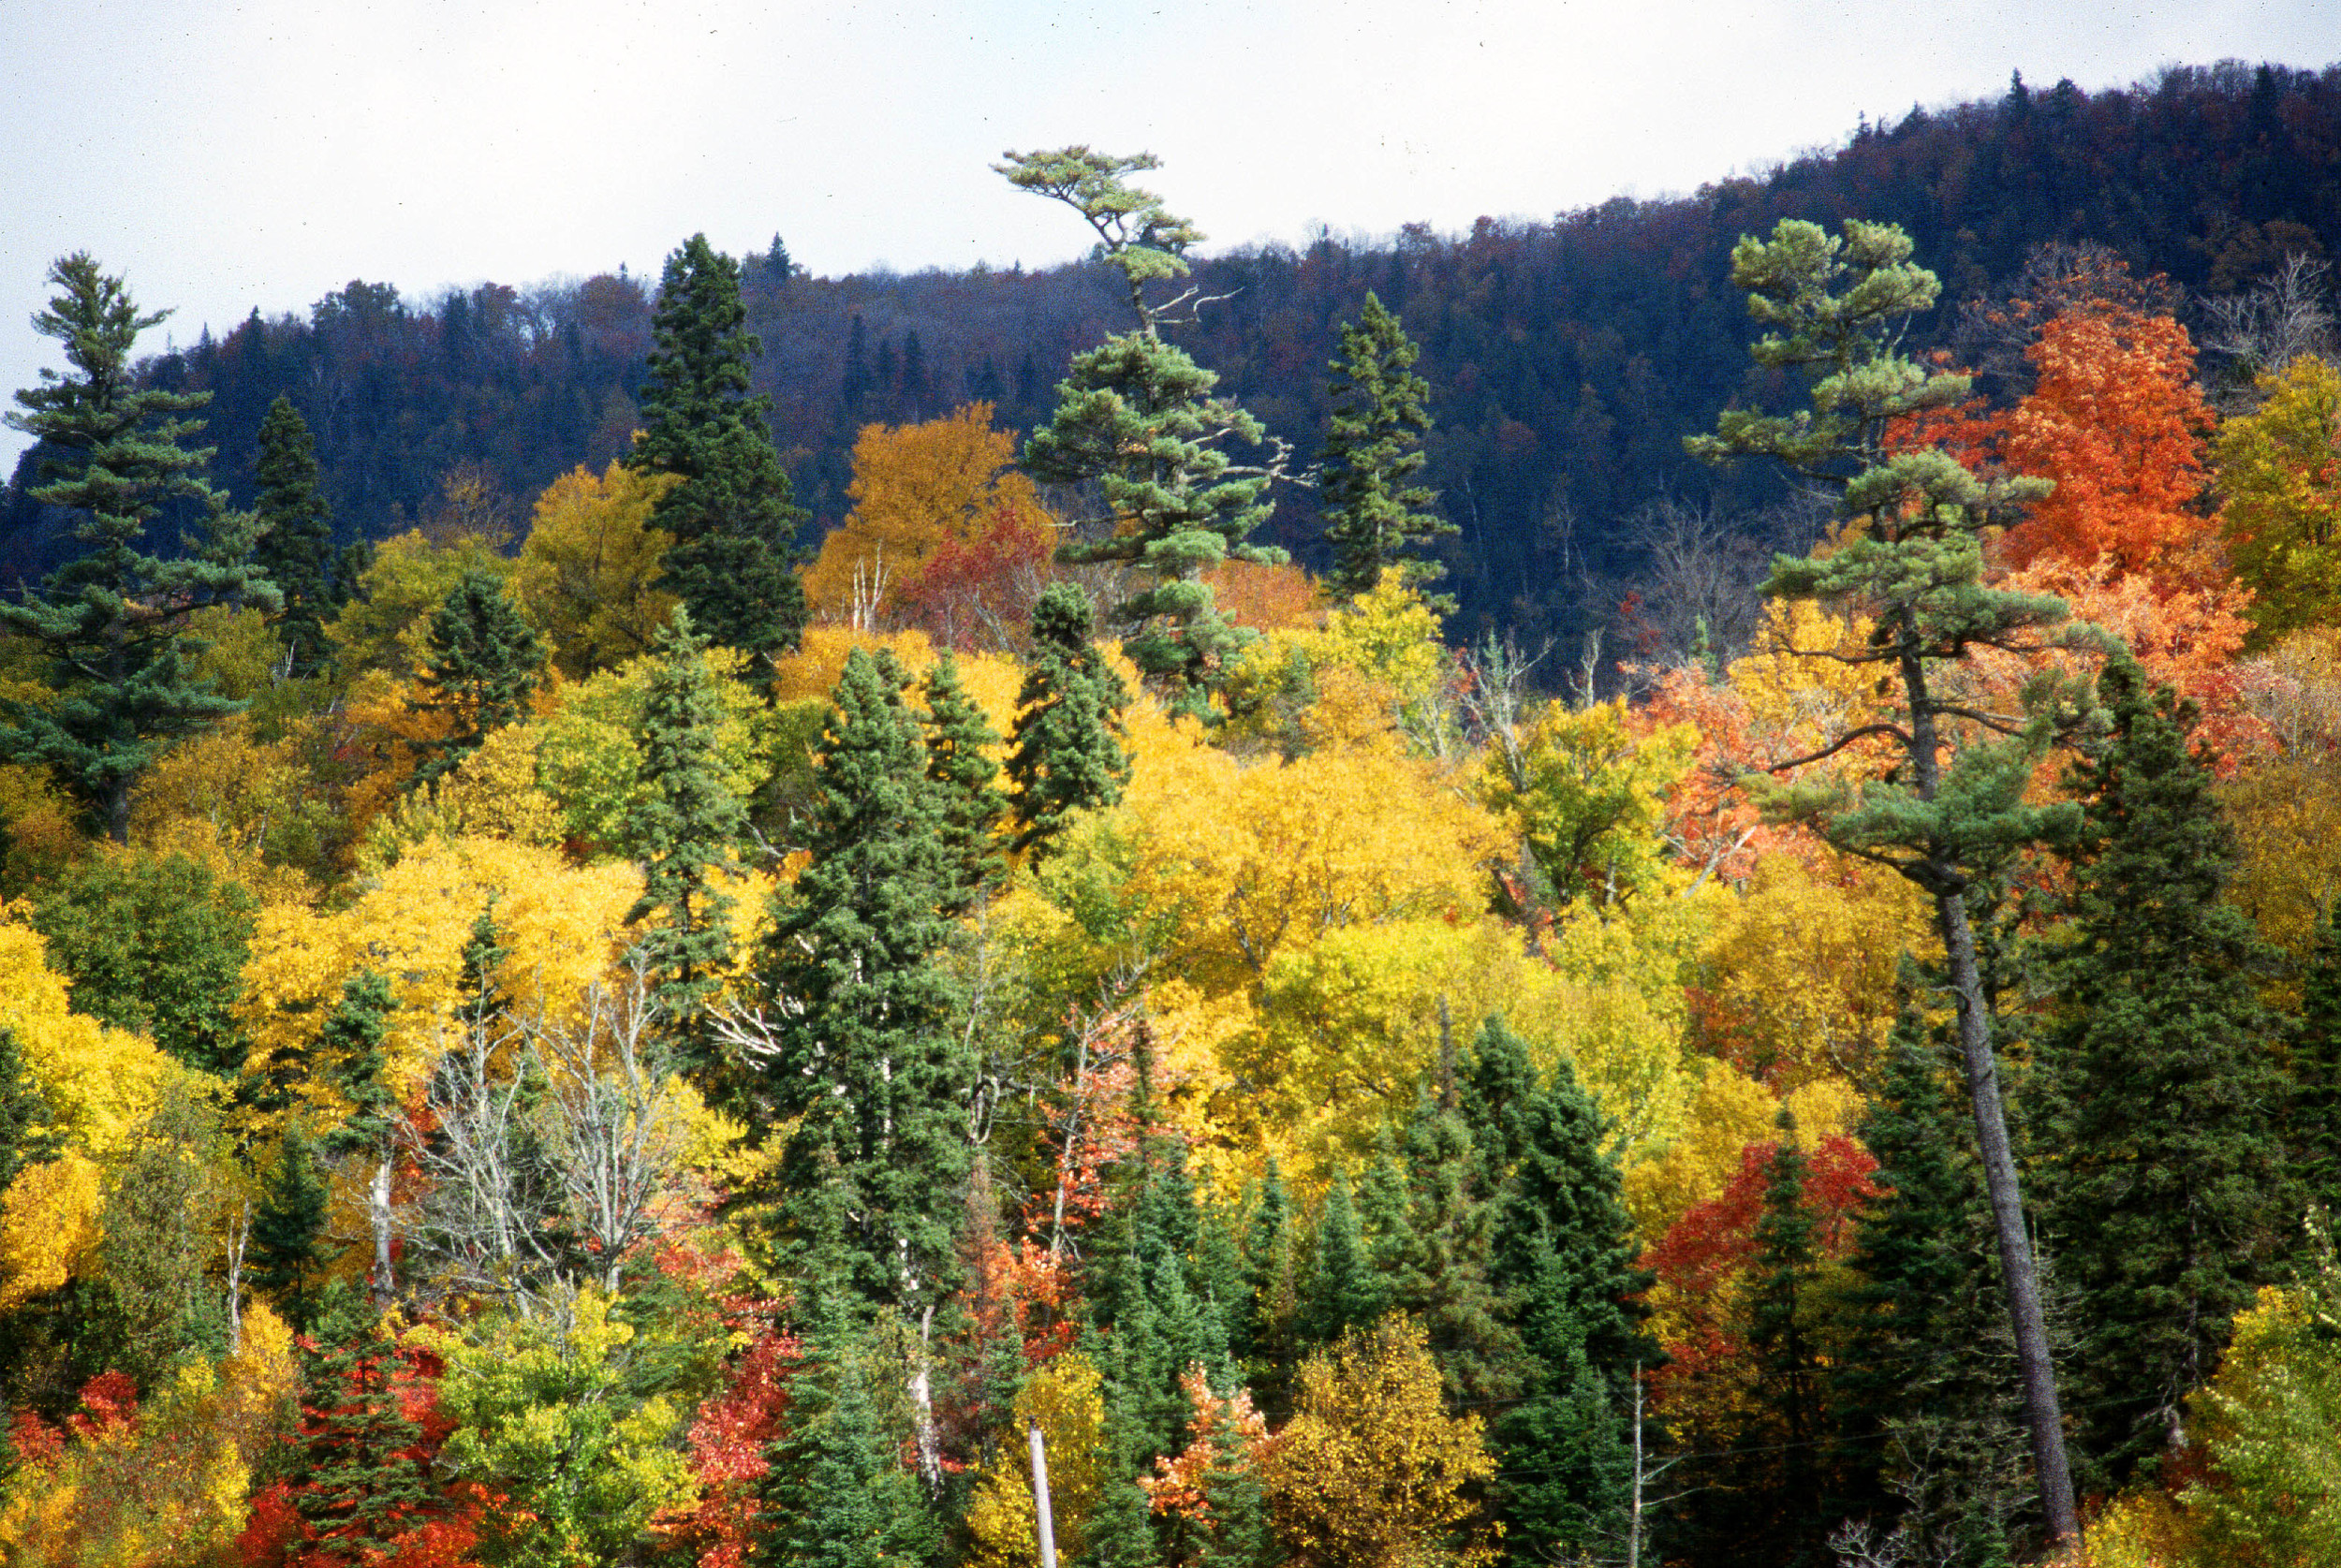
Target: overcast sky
[223,157]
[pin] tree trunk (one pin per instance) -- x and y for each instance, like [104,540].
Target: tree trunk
[379,1210]
[2017,1275]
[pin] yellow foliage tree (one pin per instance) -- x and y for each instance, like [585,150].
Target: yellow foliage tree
[1064,1400]
[99,1082]
[492,794]
[589,566]
[386,625]
[49,1227]
[1371,1472]
[914,487]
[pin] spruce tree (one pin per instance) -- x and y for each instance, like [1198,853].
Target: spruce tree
[1136,417]
[1264,1336]
[835,1494]
[960,765]
[2313,1113]
[1783,1499]
[867,1064]
[1909,553]
[484,664]
[1345,1291]
[110,624]
[1373,507]
[1064,754]
[734,516]
[293,540]
[352,1056]
[361,1480]
[685,825]
[2167,1208]
[286,1226]
[1440,1258]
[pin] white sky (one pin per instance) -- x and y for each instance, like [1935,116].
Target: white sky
[223,156]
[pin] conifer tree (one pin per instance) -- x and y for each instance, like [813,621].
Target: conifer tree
[287,1224]
[1440,1256]
[352,1057]
[2313,1120]
[960,765]
[293,539]
[866,1060]
[685,825]
[1063,752]
[2167,1206]
[734,516]
[1263,1336]
[835,1495]
[363,1481]
[1783,1342]
[1374,509]
[1345,1289]
[110,624]
[1912,527]
[1136,415]
[483,665]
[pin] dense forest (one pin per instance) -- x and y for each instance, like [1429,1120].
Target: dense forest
[776,923]
[1564,357]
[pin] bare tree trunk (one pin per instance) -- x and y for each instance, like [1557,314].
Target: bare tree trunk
[922,1400]
[238,1233]
[379,1210]
[2017,1274]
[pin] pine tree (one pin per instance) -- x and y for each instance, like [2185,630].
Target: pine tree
[1064,754]
[110,623]
[2167,1208]
[1264,1337]
[363,1481]
[1136,415]
[867,1060]
[286,1226]
[1345,1289]
[734,516]
[2313,1119]
[960,765]
[352,1057]
[294,537]
[27,1134]
[835,1494]
[483,665]
[685,825]
[1373,507]
[1909,551]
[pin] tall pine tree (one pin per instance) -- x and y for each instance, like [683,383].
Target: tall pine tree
[734,516]
[1374,515]
[293,538]
[2167,1207]
[484,664]
[960,765]
[1063,751]
[110,623]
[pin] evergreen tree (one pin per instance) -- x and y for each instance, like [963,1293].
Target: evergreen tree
[2168,1207]
[1562,1254]
[1063,755]
[293,542]
[1373,507]
[1136,417]
[1345,1289]
[352,1057]
[1264,1336]
[734,516]
[960,765]
[1912,524]
[835,1494]
[2314,1113]
[1440,1258]
[684,826]
[868,1063]
[484,664]
[363,1481]
[27,1134]
[286,1227]
[1784,1500]
[111,622]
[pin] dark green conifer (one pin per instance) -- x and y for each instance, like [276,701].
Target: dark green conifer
[1064,754]
[2167,1208]
[734,516]
[1782,1315]
[1374,515]
[351,1055]
[2312,1121]
[483,665]
[1265,1336]
[293,541]
[110,624]
[868,1063]
[836,1494]
[960,765]
[285,1254]
[1345,1289]
[1440,1258]
[361,1481]
[684,826]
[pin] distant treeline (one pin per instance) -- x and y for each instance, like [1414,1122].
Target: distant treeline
[1566,357]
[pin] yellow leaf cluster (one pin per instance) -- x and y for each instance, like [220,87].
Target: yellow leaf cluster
[222,799]
[48,1227]
[99,1082]
[1064,1400]
[588,567]
[492,794]
[387,623]
[1798,698]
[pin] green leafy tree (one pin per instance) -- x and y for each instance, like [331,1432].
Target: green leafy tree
[867,1064]
[960,765]
[687,823]
[1064,754]
[484,663]
[293,540]
[111,623]
[2167,1207]
[2281,485]
[1136,417]
[285,1253]
[1374,508]
[154,943]
[1913,521]
[734,516]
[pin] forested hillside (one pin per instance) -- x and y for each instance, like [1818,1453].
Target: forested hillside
[545,1022]
[1565,357]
